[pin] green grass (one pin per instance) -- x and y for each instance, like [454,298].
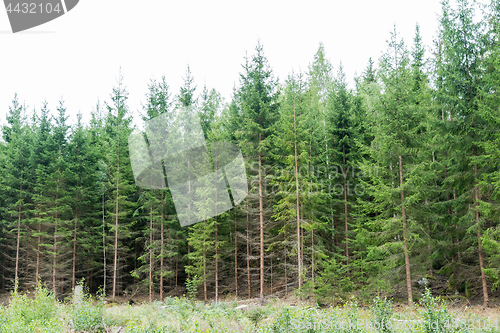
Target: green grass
[41,312]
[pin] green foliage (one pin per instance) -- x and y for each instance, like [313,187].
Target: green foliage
[26,315]
[333,284]
[381,314]
[192,286]
[257,314]
[85,316]
[43,314]
[283,322]
[491,245]
[435,315]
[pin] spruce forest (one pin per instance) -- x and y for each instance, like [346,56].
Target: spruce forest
[379,189]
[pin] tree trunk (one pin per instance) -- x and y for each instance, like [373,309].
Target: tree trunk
[450,212]
[312,213]
[216,242]
[429,241]
[407,258]
[235,254]
[249,277]
[346,214]
[480,246]
[271,275]
[261,213]
[162,243]
[3,271]
[26,280]
[37,274]
[54,260]
[204,273]
[189,252]
[312,253]
[73,279]
[216,257]
[151,254]
[334,235]
[115,254]
[302,247]
[177,266]
[18,238]
[18,241]
[89,263]
[286,270]
[299,259]
[54,255]
[103,246]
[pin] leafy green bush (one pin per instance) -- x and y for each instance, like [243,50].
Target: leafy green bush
[192,286]
[381,314]
[84,315]
[257,314]
[25,315]
[435,315]
[283,323]
[353,317]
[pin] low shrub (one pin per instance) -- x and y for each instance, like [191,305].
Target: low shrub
[27,315]
[84,315]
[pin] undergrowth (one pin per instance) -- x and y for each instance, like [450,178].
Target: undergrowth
[41,312]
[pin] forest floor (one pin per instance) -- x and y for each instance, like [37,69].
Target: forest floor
[40,312]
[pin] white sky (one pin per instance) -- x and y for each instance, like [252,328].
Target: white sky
[77,56]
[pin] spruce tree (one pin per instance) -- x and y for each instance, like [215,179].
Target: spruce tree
[60,197]
[398,128]
[155,206]
[291,154]
[459,61]
[320,77]
[343,155]
[121,186]
[15,192]
[41,164]
[257,96]
[488,101]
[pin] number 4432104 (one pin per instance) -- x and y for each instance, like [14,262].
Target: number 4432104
[33,8]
